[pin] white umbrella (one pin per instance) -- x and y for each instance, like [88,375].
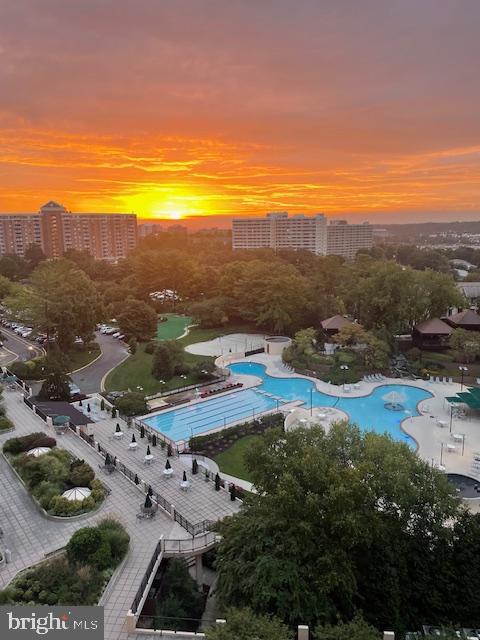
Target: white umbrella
[38,451]
[77,493]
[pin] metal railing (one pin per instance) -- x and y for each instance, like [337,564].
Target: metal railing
[171,625]
[146,577]
[187,545]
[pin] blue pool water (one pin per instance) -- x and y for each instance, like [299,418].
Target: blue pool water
[368,412]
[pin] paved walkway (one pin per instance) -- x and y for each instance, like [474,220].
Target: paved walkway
[30,535]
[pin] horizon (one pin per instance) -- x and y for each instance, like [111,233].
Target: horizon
[359,112]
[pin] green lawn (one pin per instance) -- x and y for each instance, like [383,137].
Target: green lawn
[81,357]
[136,369]
[174,326]
[231,461]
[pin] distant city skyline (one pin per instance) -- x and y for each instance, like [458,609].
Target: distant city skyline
[174,110]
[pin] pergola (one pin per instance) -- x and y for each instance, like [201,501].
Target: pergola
[431,334]
[471,398]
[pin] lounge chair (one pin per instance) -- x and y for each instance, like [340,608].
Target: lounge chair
[430,378]
[444,380]
[450,380]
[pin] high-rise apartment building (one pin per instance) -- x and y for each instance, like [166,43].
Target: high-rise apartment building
[106,236]
[346,239]
[312,233]
[279,231]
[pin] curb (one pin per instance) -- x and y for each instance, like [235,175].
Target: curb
[105,375]
[85,366]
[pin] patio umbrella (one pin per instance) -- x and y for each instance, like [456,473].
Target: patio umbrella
[133,437]
[108,460]
[117,428]
[77,493]
[136,480]
[184,476]
[148,502]
[150,490]
[149,453]
[38,451]
[168,465]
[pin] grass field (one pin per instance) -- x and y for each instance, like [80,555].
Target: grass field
[173,327]
[136,369]
[232,462]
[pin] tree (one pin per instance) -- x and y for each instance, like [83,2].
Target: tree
[466,344]
[357,629]
[131,404]
[163,365]
[341,521]
[243,624]
[137,320]
[305,341]
[351,335]
[60,301]
[56,387]
[210,313]
[33,257]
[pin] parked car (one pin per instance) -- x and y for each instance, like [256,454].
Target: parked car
[117,334]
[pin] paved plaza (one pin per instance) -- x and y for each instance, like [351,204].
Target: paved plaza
[30,536]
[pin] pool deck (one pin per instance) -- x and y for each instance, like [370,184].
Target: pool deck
[422,428]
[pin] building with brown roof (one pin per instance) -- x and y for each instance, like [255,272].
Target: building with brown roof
[466,319]
[431,334]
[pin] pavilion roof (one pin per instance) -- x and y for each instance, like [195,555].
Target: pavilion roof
[335,322]
[466,318]
[434,326]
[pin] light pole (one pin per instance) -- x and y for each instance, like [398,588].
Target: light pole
[463,371]
[451,417]
[463,443]
[441,454]
[344,368]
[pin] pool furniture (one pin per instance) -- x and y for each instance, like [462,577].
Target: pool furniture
[457,437]
[118,435]
[148,459]
[167,473]
[133,445]
[184,485]
[442,423]
[451,448]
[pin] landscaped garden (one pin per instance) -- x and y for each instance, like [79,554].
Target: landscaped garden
[5,423]
[76,577]
[49,472]
[232,460]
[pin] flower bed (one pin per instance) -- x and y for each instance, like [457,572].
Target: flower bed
[76,577]
[52,473]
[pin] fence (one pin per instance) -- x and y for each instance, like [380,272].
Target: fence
[254,352]
[190,387]
[190,546]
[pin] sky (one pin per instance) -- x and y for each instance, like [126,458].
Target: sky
[364,109]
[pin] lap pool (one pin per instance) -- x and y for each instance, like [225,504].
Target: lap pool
[368,412]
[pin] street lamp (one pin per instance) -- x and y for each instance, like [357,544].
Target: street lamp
[441,454]
[463,443]
[463,371]
[451,416]
[344,368]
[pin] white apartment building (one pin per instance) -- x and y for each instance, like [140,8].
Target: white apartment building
[312,233]
[346,239]
[279,231]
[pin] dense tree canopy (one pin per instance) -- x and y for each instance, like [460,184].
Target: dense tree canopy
[243,624]
[137,320]
[345,521]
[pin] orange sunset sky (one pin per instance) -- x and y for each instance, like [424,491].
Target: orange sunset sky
[172,109]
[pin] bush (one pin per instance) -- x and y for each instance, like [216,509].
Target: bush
[103,546]
[117,537]
[150,347]
[81,475]
[5,423]
[25,443]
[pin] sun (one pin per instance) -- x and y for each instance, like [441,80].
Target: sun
[175,215]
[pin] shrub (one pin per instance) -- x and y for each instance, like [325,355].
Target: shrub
[117,537]
[5,423]
[83,545]
[150,347]
[98,492]
[82,475]
[45,492]
[24,443]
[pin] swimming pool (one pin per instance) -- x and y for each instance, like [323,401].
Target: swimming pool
[193,420]
[368,412]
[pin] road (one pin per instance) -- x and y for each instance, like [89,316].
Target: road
[90,378]
[23,349]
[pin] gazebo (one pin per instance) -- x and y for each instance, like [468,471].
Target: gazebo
[332,325]
[38,451]
[467,319]
[431,334]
